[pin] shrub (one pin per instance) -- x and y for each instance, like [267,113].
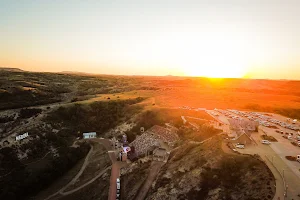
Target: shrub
[291,158]
[29,112]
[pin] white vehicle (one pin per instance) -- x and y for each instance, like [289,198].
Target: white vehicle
[265,142]
[290,137]
[240,146]
[118,184]
[298,158]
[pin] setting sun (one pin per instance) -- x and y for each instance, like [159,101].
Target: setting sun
[178,38]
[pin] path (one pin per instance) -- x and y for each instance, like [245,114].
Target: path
[87,183]
[76,177]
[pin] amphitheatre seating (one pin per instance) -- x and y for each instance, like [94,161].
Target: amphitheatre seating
[149,140]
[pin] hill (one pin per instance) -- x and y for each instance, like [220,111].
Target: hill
[11,69]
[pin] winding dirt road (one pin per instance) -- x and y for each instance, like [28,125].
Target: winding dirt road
[75,178]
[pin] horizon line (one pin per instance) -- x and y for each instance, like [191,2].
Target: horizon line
[169,75]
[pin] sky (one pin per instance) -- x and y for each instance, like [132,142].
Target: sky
[241,38]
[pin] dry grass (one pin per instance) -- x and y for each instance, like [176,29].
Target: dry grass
[225,93]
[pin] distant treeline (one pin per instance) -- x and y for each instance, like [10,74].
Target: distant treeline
[288,112]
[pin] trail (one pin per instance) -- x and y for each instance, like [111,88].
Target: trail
[76,177]
[87,183]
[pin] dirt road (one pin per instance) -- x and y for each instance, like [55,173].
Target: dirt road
[75,178]
[107,144]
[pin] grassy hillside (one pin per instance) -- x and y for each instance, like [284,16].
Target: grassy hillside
[205,172]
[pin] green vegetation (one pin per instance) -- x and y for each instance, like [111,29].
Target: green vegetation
[230,176]
[291,158]
[49,153]
[153,117]
[19,181]
[204,171]
[20,89]
[268,137]
[97,116]
[288,112]
[29,112]
[23,89]
[6,119]
[204,132]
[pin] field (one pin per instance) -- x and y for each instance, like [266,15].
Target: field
[43,88]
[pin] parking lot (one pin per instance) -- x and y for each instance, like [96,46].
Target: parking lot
[274,153]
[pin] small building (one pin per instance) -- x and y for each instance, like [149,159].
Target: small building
[21,137]
[160,154]
[89,135]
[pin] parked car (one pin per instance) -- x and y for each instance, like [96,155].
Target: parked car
[118,184]
[265,142]
[240,146]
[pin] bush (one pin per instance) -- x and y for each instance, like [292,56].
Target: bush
[270,138]
[97,116]
[6,119]
[291,158]
[29,112]
[24,182]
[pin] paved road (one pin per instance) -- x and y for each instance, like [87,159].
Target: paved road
[115,173]
[277,168]
[284,148]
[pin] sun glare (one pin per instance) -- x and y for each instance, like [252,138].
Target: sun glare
[221,55]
